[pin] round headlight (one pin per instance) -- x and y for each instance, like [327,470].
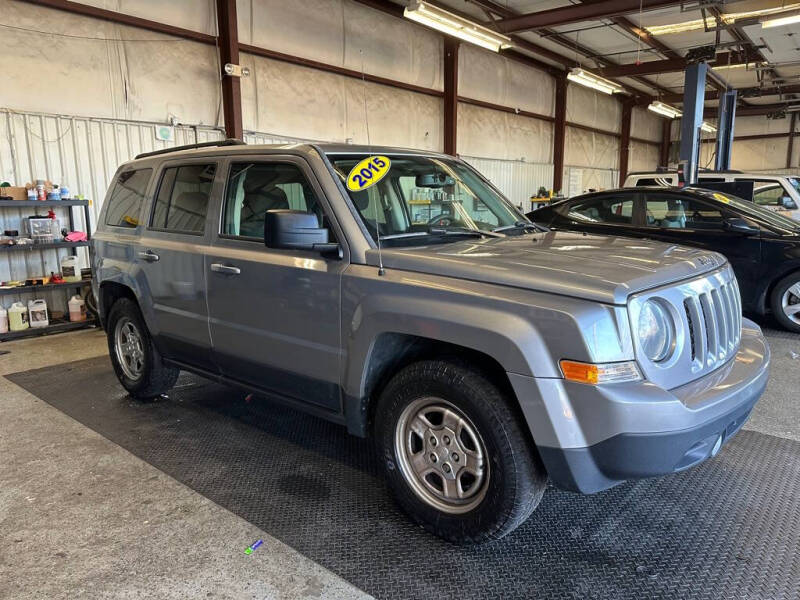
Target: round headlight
[655,331]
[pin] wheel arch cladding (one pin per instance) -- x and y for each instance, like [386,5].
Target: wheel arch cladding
[390,352]
[110,292]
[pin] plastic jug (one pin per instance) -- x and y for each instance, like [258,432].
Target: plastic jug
[3,320]
[18,317]
[37,311]
[70,270]
[77,309]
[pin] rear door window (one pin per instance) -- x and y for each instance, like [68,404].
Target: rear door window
[126,200]
[671,211]
[615,210]
[181,205]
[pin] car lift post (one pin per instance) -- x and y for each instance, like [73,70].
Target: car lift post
[727,113]
[693,99]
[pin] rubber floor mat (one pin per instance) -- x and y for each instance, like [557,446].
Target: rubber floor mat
[727,529]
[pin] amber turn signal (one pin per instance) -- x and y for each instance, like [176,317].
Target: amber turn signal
[592,374]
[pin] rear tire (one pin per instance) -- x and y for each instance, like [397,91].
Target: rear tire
[136,360]
[785,302]
[455,454]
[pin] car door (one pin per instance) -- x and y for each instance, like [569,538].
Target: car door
[170,255]
[275,312]
[612,213]
[687,220]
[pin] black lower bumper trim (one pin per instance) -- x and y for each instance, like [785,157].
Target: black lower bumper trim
[639,455]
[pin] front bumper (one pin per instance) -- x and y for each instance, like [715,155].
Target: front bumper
[591,438]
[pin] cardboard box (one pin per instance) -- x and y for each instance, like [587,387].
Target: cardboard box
[16,193]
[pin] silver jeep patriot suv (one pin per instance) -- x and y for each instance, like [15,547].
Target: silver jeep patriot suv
[398,293]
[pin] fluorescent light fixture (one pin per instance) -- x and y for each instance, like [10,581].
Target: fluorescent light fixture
[665,110]
[446,22]
[726,18]
[781,19]
[707,127]
[593,81]
[736,66]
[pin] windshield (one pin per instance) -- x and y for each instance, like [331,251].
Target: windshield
[749,208]
[795,183]
[420,197]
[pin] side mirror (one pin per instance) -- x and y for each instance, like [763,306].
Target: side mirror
[295,229]
[739,225]
[788,203]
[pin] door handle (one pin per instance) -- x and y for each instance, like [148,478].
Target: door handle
[149,256]
[225,269]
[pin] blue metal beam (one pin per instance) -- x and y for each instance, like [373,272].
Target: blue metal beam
[693,98]
[727,114]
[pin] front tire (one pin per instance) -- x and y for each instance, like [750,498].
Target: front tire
[455,454]
[136,360]
[785,302]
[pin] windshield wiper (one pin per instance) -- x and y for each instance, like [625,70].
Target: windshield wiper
[462,231]
[520,226]
[439,231]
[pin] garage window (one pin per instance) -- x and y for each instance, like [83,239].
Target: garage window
[182,202]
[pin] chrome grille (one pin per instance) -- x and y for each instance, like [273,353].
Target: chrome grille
[720,328]
[708,319]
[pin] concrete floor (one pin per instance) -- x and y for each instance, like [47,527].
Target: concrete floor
[82,518]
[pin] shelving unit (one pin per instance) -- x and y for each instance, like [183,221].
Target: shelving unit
[55,326]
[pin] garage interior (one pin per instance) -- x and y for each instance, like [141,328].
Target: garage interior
[105,496]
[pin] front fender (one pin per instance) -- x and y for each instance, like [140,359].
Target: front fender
[526,332]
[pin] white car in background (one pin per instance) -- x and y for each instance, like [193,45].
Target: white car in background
[780,193]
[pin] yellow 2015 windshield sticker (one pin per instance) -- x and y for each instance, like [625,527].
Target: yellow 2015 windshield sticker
[367,173]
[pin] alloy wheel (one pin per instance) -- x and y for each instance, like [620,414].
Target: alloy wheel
[441,455]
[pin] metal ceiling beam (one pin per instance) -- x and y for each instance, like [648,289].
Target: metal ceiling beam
[751,92]
[578,12]
[123,19]
[669,65]
[491,7]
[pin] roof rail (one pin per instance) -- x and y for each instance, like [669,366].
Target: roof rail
[218,143]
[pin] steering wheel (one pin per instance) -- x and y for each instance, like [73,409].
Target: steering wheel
[444,220]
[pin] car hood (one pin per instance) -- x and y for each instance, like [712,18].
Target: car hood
[603,268]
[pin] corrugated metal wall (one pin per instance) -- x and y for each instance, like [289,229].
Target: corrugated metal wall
[516,179]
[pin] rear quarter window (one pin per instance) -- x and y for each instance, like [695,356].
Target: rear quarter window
[125,202]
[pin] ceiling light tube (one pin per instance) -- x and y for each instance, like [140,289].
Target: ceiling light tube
[665,110]
[707,127]
[779,20]
[593,81]
[451,24]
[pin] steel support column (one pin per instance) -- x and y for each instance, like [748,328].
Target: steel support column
[693,97]
[727,114]
[666,132]
[790,146]
[229,53]
[450,95]
[559,133]
[625,140]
